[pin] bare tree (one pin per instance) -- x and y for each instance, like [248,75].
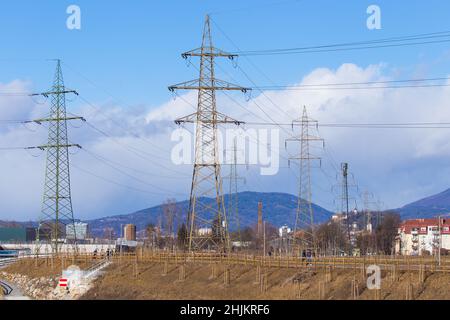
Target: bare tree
[387,231]
[331,238]
[170,213]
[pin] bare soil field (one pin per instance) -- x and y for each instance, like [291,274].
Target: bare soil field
[202,281]
[121,282]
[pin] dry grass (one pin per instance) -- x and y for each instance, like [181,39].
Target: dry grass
[120,283]
[43,266]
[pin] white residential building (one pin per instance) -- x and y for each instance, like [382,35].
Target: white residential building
[419,236]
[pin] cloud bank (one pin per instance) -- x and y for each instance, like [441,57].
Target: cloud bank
[126,163]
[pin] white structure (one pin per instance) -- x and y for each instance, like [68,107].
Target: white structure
[284,231]
[419,236]
[204,231]
[46,248]
[125,242]
[79,230]
[369,227]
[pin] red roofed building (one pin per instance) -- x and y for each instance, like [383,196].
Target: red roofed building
[418,236]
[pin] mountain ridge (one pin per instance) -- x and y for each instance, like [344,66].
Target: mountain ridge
[278,209]
[427,207]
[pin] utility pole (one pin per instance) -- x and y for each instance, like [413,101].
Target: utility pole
[259,229]
[206,178]
[57,211]
[440,242]
[264,238]
[304,218]
[260,221]
[344,169]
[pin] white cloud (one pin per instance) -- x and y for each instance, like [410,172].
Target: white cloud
[398,165]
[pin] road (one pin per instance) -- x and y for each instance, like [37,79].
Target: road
[11,292]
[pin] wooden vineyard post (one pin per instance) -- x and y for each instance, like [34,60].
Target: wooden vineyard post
[421,274]
[297,289]
[329,274]
[226,276]
[263,283]
[377,294]
[394,273]
[409,291]
[363,272]
[136,267]
[258,274]
[322,290]
[355,289]
[182,273]
[36,260]
[213,271]
[166,268]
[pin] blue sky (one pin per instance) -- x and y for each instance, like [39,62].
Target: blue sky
[132,48]
[127,53]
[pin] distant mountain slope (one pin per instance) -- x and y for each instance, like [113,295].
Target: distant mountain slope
[278,209]
[427,207]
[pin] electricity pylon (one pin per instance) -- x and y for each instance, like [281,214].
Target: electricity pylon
[304,218]
[233,198]
[368,214]
[57,209]
[207,220]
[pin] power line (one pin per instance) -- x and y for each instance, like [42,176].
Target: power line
[137,152]
[320,85]
[410,125]
[358,45]
[13,148]
[115,182]
[248,77]
[109,163]
[359,87]
[120,125]
[14,94]
[102,158]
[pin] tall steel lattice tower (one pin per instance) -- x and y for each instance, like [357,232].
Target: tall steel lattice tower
[233,198]
[304,218]
[207,220]
[57,210]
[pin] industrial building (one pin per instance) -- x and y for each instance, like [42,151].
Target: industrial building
[129,232]
[423,236]
[78,230]
[17,234]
